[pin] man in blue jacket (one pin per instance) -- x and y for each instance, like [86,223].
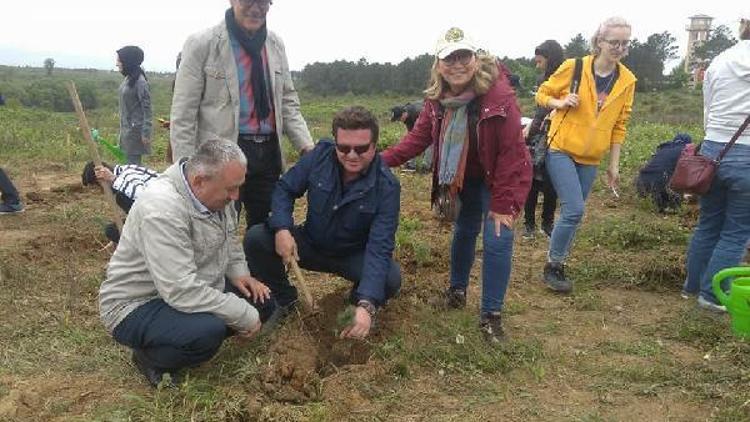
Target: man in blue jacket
[352,217]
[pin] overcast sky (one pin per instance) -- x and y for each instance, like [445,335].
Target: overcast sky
[86,33]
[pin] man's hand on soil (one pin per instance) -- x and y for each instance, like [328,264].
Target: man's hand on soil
[246,335]
[360,328]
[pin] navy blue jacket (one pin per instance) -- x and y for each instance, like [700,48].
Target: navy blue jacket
[364,216]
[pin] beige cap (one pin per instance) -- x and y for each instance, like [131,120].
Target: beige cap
[454,39]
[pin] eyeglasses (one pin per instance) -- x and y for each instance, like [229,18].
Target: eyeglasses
[618,43]
[463,57]
[263,4]
[358,149]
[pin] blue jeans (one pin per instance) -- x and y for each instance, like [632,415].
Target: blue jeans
[170,340]
[720,238]
[498,250]
[572,182]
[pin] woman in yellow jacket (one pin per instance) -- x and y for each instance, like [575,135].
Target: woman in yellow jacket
[584,127]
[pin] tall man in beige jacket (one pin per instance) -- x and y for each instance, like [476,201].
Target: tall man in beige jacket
[234,83]
[178,282]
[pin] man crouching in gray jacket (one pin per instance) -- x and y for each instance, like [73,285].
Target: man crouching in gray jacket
[178,282]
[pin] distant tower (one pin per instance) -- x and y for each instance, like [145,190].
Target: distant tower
[698,30]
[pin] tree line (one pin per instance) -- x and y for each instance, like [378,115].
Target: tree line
[647,59]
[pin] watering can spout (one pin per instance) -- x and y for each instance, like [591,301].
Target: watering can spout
[737,300]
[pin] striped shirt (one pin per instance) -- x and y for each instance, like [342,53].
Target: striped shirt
[131,179]
[248,121]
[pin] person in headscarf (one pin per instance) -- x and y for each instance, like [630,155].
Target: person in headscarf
[135,105]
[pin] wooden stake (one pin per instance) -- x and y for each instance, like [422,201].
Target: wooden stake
[302,285]
[115,211]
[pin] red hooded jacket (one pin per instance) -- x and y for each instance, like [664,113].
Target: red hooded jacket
[501,147]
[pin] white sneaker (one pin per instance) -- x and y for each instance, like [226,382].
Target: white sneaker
[687,295]
[710,306]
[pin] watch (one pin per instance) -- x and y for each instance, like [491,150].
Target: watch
[368,306]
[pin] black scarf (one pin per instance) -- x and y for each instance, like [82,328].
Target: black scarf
[253,45]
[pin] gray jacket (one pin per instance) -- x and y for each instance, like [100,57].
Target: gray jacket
[206,101]
[170,250]
[135,117]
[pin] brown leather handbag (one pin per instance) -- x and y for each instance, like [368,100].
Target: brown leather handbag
[694,172]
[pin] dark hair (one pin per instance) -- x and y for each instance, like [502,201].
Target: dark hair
[356,117]
[744,29]
[88,177]
[553,52]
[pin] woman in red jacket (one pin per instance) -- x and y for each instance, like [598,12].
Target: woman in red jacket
[472,119]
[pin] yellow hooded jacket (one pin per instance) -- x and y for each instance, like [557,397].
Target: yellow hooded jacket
[586,135]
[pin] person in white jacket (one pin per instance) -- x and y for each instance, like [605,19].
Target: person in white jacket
[178,282]
[720,238]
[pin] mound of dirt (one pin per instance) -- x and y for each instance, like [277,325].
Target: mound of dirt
[308,350]
[20,404]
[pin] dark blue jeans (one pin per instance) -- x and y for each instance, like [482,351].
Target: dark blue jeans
[721,236]
[498,250]
[8,192]
[266,265]
[171,340]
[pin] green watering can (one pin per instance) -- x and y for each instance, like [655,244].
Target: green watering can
[737,301]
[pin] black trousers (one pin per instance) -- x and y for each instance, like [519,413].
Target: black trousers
[266,265]
[263,171]
[8,192]
[548,205]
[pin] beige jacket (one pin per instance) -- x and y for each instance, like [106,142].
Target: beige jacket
[170,250]
[206,102]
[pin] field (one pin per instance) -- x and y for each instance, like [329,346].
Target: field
[623,347]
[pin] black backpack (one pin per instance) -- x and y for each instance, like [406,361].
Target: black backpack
[540,142]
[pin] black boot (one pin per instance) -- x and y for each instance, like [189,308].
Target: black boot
[455,298]
[554,276]
[155,376]
[490,324]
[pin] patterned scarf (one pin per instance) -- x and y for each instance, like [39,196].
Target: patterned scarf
[454,141]
[253,46]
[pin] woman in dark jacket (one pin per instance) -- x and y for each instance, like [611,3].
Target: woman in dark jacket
[548,57]
[472,119]
[135,105]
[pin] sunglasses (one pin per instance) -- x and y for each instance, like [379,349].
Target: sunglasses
[462,57]
[358,149]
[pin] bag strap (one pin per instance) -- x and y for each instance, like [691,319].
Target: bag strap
[736,135]
[575,83]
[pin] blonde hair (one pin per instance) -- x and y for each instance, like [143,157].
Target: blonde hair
[483,79]
[609,23]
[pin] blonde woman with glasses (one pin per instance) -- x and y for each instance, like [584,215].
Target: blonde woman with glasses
[584,127]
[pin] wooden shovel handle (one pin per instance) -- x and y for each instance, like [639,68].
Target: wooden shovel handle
[94,153]
[302,285]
